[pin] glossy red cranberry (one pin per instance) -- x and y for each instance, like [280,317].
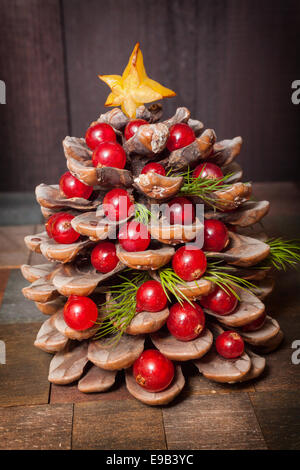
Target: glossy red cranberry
[180,136]
[62,230]
[104,257]
[98,133]
[72,187]
[134,236]
[153,371]
[189,263]
[255,324]
[155,167]
[133,126]
[186,321]
[230,345]
[208,171]
[109,154]
[215,235]
[80,313]
[220,301]
[49,223]
[180,210]
[117,204]
[150,297]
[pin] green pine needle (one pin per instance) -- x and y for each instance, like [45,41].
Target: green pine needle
[220,275]
[122,309]
[283,253]
[171,283]
[142,214]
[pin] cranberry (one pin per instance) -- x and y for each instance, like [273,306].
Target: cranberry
[189,263]
[180,210]
[72,187]
[208,171]
[98,133]
[230,345]
[155,168]
[150,297]
[109,154]
[220,301]
[186,321]
[133,126]
[134,236]
[255,324]
[153,371]
[80,313]
[49,223]
[62,230]
[215,235]
[104,257]
[180,136]
[117,204]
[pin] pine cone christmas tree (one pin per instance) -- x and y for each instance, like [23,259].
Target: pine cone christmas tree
[109,291]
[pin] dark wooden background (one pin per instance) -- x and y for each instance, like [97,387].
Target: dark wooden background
[231,62]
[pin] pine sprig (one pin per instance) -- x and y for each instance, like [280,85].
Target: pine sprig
[171,283]
[283,253]
[222,276]
[142,214]
[122,307]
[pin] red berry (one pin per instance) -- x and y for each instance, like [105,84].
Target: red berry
[208,171]
[133,126]
[62,230]
[180,210]
[72,187]
[117,204]
[180,136]
[109,154]
[80,313]
[134,236]
[186,321]
[220,301]
[255,324]
[104,257]
[99,133]
[189,263]
[49,223]
[230,345]
[150,297]
[215,235]
[155,167]
[153,371]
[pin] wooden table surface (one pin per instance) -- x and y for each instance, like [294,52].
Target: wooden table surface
[257,415]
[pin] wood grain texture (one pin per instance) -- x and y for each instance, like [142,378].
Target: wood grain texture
[232,63]
[278,414]
[13,251]
[42,427]
[34,120]
[212,422]
[120,424]
[4,275]
[24,377]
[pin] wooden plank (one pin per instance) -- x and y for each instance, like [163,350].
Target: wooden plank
[42,427]
[23,379]
[4,275]
[221,421]
[278,414]
[71,394]
[15,307]
[13,251]
[120,424]
[206,52]
[31,61]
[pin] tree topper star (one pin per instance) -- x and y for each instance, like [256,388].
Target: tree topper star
[134,88]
